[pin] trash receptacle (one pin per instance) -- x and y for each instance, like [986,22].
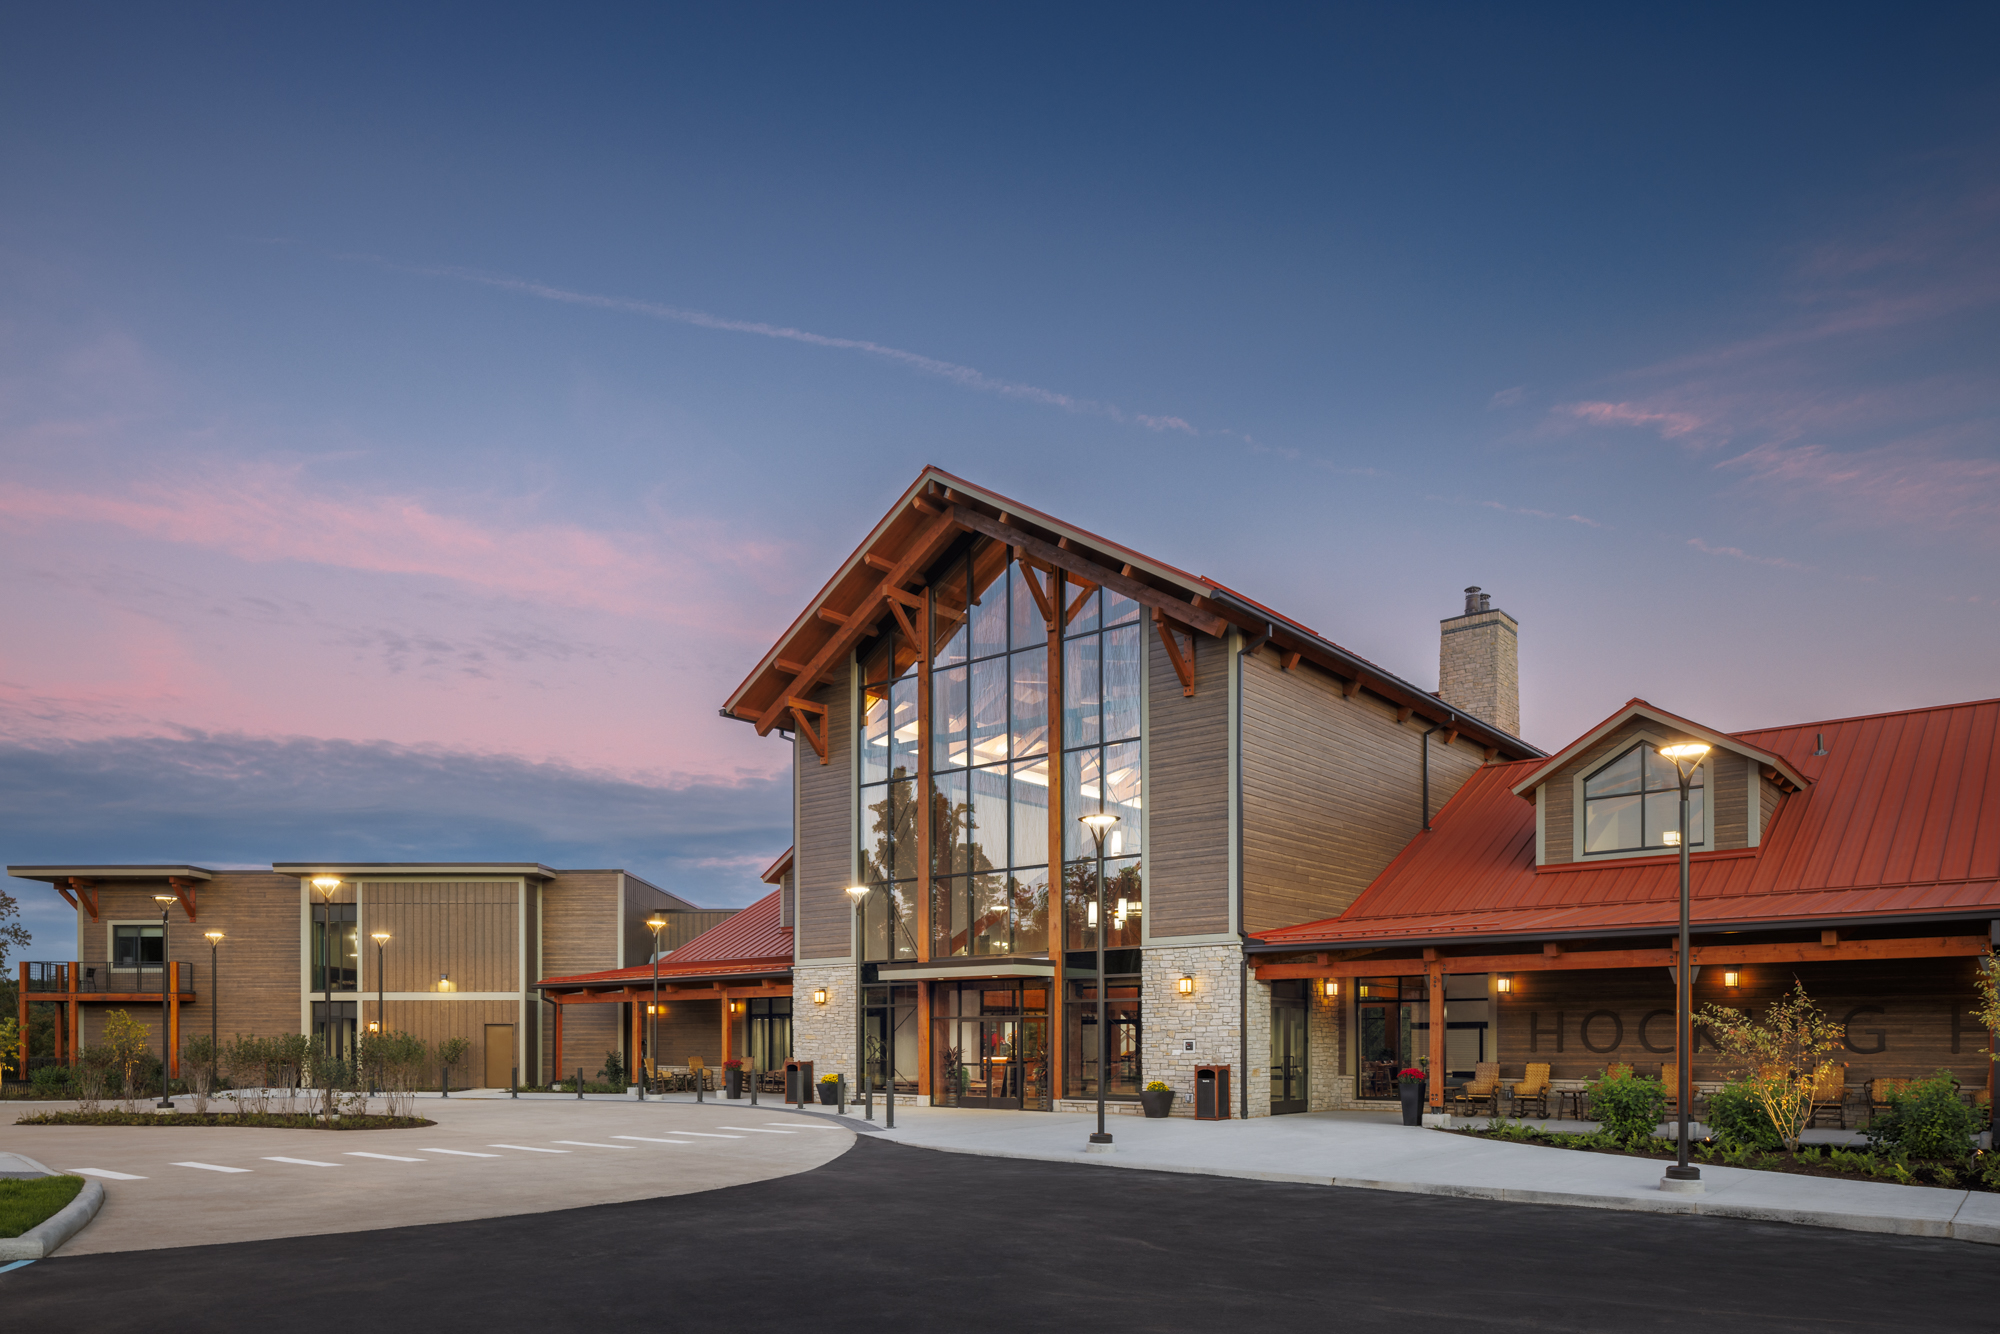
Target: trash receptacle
[1211,1093]
[798,1082]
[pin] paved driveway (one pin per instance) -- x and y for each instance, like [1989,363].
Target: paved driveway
[195,1186]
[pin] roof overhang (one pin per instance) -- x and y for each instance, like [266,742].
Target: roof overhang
[57,874]
[938,508]
[775,872]
[430,870]
[1639,708]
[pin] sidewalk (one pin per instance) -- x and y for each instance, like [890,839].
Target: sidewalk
[1374,1153]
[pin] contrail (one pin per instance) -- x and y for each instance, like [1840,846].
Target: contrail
[964,376]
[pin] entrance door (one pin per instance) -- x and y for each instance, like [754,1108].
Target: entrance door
[989,1045]
[1288,1053]
[499,1056]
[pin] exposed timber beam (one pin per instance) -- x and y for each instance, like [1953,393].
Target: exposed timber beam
[1925,947]
[1183,663]
[1072,562]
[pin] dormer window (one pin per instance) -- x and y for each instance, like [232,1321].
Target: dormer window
[1634,803]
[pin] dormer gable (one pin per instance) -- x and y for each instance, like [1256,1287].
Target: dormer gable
[1607,796]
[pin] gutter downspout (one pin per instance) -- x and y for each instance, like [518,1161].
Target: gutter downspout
[1242,936]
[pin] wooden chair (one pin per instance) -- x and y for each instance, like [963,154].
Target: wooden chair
[1533,1090]
[1484,1086]
[1879,1090]
[1829,1094]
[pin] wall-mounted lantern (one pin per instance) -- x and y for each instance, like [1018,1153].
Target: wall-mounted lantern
[1185,986]
[1331,987]
[819,996]
[1730,979]
[1503,984]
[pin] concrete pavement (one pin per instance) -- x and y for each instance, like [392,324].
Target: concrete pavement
[1376,1153]
[486,1157]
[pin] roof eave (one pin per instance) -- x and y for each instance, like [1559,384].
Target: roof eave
[1640,708]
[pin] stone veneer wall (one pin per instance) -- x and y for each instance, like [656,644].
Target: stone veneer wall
[824,1034]
[1326,1043]
[1210,1017]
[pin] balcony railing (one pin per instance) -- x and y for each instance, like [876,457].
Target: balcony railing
[105,979]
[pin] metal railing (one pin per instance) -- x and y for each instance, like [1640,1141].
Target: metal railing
[105,979]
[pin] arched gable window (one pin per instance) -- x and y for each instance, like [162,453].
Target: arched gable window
[1633,803]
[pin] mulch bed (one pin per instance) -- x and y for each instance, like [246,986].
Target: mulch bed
[265,1120]
[1775,1160]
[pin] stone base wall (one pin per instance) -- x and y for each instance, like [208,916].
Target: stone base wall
[1209,1019]
[824,1034]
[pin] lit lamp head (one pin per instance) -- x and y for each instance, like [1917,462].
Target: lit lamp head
[380,937]
[857,893]
[656,924]
[1731,979]
[326,885]
[1685,756]
[444,981]
[165,901]
[214,937]
[1099,824]
[819,996]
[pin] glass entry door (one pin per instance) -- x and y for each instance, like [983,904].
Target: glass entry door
[990,1045]
[1288,1049]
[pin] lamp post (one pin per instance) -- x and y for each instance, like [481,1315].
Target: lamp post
[380,938]
[328,886]
[1686,758]
[1099,825]
[655,924]
[859,893]
[165,1104]
[214,999]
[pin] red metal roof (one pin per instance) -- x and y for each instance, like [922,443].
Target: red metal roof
[750,941]
[1901,818]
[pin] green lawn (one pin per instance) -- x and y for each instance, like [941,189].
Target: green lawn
[23,1204]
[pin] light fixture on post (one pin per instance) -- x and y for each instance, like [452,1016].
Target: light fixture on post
[1682,1176]
[656,924]
[859,893]
[214,998]
[1185,986]
[327,886]
[380,938]
[1099,825]
[165,1104]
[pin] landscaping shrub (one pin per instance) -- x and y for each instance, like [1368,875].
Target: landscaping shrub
[55,1081]
[1927,1122]
[1629,1108]
[1737,1118]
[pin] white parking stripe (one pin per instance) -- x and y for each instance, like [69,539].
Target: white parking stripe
[753,1130]
[705,1135]
[587,1144]
[211,1167]
[302,1162]
[807,1125]
[526,1148]
[104,1172]
[386,1157]
[651,1139]
[463,1153]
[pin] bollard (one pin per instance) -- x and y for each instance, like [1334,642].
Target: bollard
[579,1083]
[890,1105]
[444,1082]
[514,1082]
[867,1098]
[699,1080]
[753,1088]
[840,1095]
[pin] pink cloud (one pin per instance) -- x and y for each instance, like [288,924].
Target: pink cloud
[1910,482]
[1739,554]
[1671,425]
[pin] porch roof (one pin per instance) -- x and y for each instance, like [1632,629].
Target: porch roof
[1899,819]
[747,944]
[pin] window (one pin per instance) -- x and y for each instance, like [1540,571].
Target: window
[889,851]
[1634,803]
[989,761]
[1104,670]
[135,947]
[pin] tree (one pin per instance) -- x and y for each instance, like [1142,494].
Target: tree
[1987,1012]
[130,1045]
[1780,1061]
[10,1047]
[11,933]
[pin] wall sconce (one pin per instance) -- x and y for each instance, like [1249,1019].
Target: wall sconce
[374,1026]
[736,1007]
[1731,979]
[819,996]
[1185,986]
[1503,984]
[444,982]
[652,1009]
[1331,986]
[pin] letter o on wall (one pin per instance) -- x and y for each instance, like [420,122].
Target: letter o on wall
[1617,1030]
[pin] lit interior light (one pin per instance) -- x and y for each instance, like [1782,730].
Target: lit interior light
[1672,837]
[1185,985]
[1731,979]
[1503,984]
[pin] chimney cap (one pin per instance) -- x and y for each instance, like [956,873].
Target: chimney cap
[1472,599]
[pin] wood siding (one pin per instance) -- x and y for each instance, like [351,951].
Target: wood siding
[1332,790]
[1187,792]
[468,930]
[824,860]
[1728,809]
[580,934]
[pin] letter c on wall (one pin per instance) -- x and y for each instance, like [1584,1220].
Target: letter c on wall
[1647,1023]
[1617,1030]
[1881,1036]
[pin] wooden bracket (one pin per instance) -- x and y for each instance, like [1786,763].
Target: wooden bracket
[1350,687]
[909,630]
[1289,660]
[86,893]
[1491,753]
[1551,950]
[803,711]
[1183,664]
[1830,939]
[1451,735]
[875,562]
[1084,589]
[1042,595]
[831,617]
[184,890]
[1403,713]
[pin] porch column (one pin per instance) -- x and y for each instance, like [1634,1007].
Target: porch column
[174,1021]
[923,1039]
[728,1029]
[556,1078]
[636,1067]
[22,996]
[1436,1082]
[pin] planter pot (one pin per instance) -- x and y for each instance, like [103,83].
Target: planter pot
[732,1083]
[1157,1102]
[1413,1103]
[827,1094]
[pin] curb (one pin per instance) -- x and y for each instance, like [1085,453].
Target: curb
[1978,1233]
[41,1240]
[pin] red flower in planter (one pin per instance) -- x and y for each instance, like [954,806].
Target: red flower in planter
[1413,1074]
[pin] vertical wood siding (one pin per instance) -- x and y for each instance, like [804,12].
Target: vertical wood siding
[468,929]
[1187,792]
[824,861]
[1332,790]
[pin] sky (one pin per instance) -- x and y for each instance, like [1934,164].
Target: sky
[414,420]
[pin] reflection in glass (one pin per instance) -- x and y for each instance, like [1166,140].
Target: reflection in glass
[948,718]
[1031,702]
[1633,803]
[989,711]
[903,729]
[986,832]
[874,734]
[991,931]
[1121,683]
[1029,627]
[1082,700]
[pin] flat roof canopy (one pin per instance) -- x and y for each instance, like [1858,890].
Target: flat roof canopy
[52,874]
[533,870]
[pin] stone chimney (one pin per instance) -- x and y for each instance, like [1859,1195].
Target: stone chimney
[1477,667]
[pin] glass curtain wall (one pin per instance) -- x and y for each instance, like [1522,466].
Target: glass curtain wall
[889,849]
[1103,672]
[341,962]
[1081,1045]
[989,760]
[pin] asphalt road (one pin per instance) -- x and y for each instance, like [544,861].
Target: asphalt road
[888,1237]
